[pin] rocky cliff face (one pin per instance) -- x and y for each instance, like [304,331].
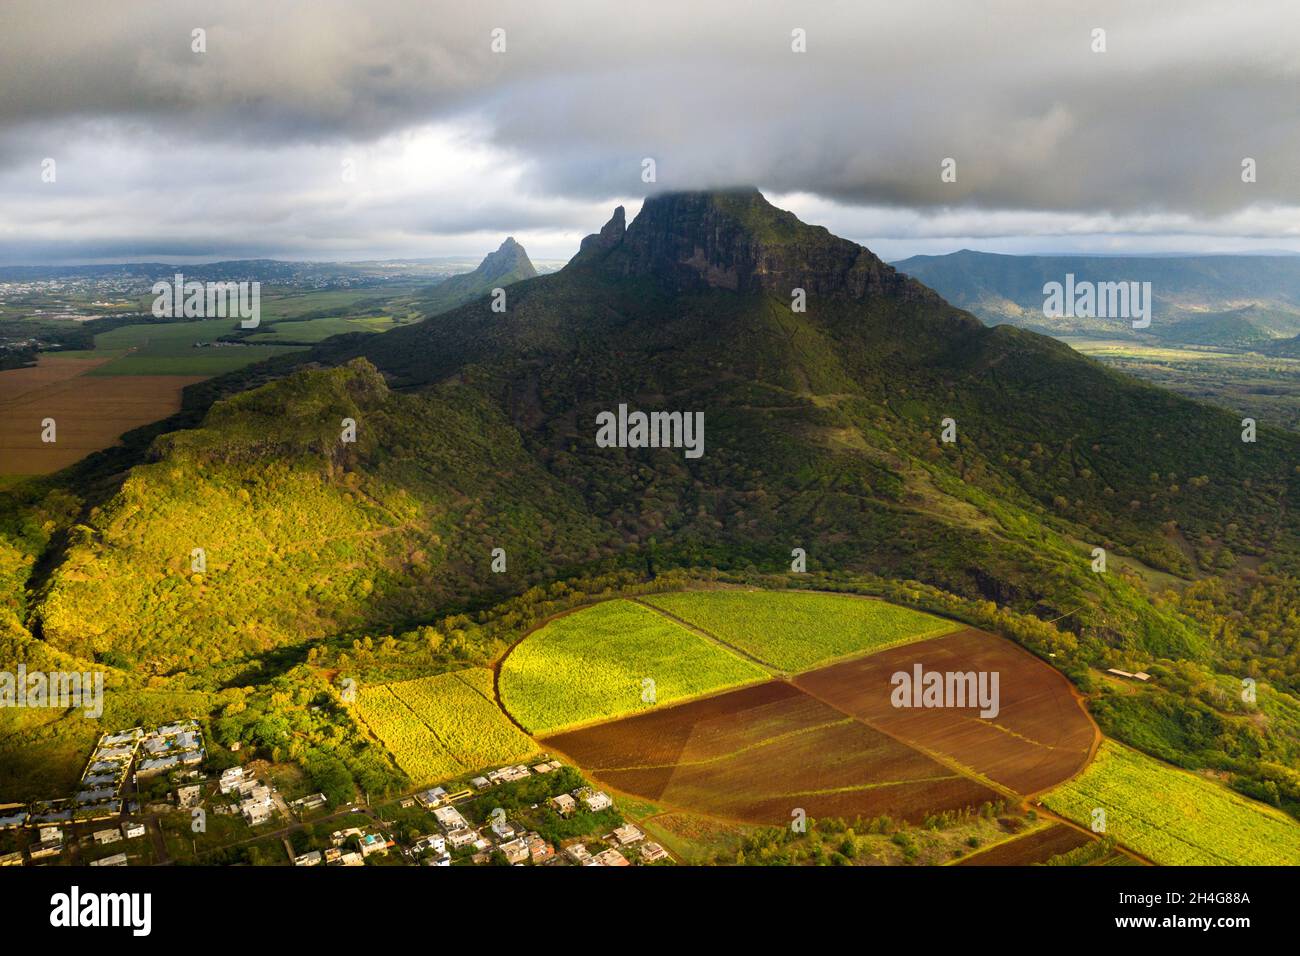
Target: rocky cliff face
[597,245]
[737,240]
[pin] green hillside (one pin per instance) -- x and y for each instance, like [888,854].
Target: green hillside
[305,535]
[476,430]
[822,433]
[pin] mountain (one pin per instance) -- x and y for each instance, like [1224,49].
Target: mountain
[823,430]
[509,264]
[1241,301]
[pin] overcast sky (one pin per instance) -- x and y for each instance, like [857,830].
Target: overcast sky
[392,129]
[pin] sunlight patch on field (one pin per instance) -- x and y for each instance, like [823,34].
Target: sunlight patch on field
[1174,817]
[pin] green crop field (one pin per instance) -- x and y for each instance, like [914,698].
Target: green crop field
[593,665]
[1173,817]
[795,630]
[168,348]
[318,330]
[444,726]
[461,710]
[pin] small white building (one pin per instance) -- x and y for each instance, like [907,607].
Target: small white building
[449,819]
[578,853]
[105,837]
[628,833]
[515,851]
[564,804]
[231,778]
[653,852]
[459,838]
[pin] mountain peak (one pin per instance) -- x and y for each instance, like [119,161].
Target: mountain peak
[510,259]
[508,264]
[735,239]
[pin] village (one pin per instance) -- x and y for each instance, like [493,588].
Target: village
[145,799]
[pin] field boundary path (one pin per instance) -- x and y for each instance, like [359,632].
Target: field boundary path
[696,629]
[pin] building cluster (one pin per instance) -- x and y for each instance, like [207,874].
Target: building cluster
[511,774]
[255,799]
[350,847]
[171,747]
[51,841]
[595,801]
[516,843]
[626,840]
[100,794]
[175,746]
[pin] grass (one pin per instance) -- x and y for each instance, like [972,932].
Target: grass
[462,711]
[317,330]
[1265,387]
[794,630]
[593,665]
[1173,817]
[441,727]
[168,349]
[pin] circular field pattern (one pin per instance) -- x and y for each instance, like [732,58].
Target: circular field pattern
[830,741]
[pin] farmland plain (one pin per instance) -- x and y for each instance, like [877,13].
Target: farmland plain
[1174,817]
[762,753]
[795,630]
[611,660]
[89,413]
[1039,736]
[1037,846]
[440,727]
[172,348]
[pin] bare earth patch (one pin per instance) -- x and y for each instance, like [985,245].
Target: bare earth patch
[90,412]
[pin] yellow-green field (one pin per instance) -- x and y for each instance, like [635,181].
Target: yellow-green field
[595,664]
[796,630]
[444,726]
[1173,817]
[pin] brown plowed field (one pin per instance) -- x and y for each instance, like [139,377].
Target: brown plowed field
[1036,847]
[90,413]
[1040,738]
[759,753]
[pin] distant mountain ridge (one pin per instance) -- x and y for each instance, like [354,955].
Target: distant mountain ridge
[1240,301]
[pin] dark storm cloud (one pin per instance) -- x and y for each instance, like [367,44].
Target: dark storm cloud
[1157,126]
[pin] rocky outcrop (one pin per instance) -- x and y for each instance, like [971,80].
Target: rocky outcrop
[596,246]
[737,240]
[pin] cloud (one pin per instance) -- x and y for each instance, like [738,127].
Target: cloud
[453,142]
